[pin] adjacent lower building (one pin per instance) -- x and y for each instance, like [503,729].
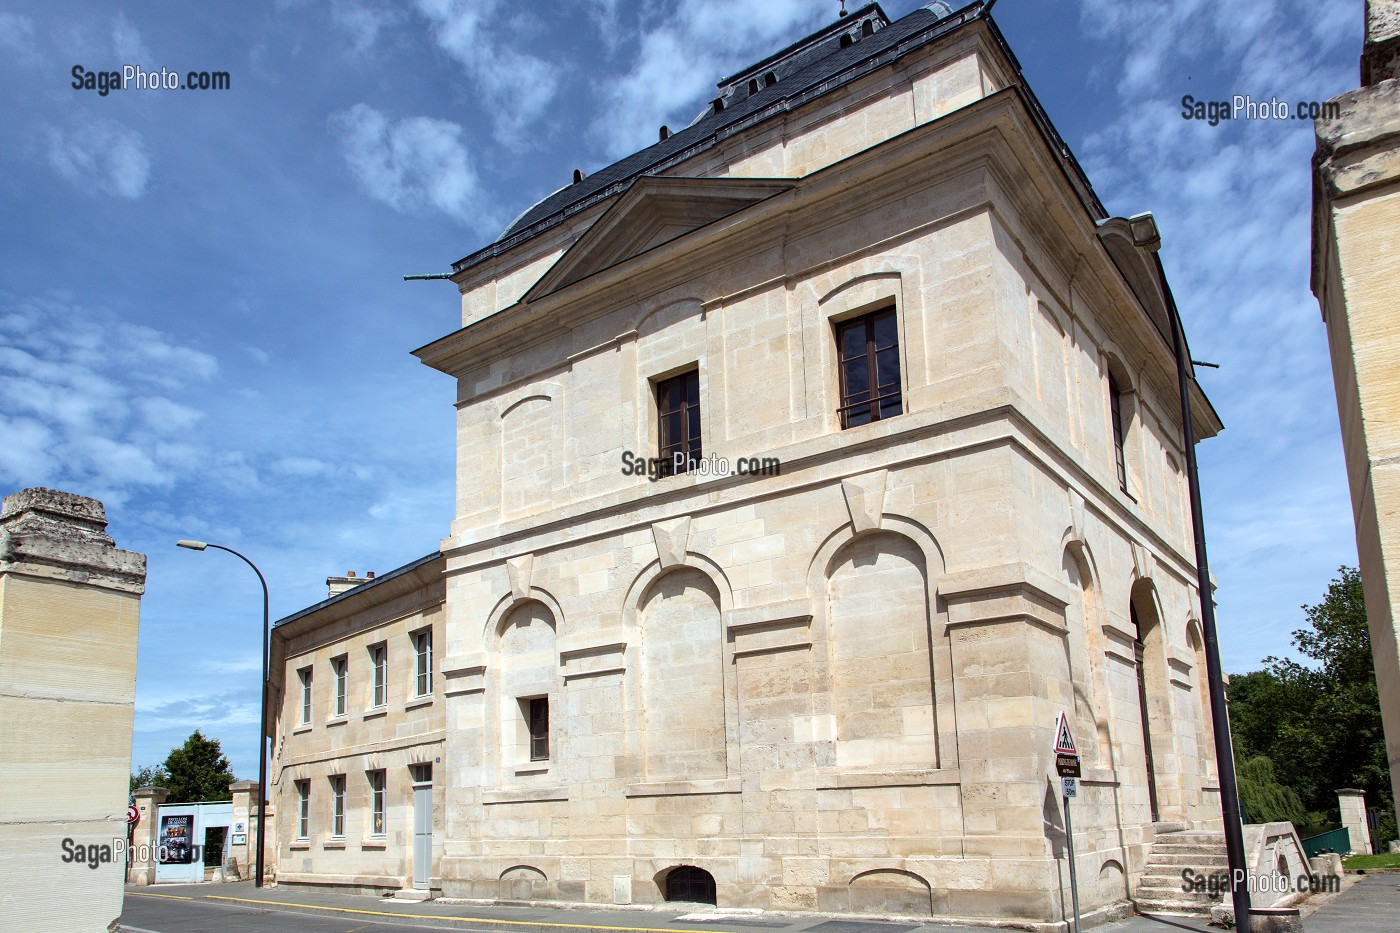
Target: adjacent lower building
[811,463]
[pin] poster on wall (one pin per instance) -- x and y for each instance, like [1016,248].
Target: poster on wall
[175,846]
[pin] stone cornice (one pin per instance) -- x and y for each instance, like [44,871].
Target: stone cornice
[56,535]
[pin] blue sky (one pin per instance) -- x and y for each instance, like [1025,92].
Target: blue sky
[203,323]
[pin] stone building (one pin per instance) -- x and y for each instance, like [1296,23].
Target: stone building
[70,607]
[906,398]
[1356,238]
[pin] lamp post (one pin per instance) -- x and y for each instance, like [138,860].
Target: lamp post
[262,717]
[1145,235]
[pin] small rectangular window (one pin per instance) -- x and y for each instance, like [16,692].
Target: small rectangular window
[341,667]
[1115,406]
[379,659]
[305,674]
[538,725]
[337,805]
[376,803]
[678,414]
[868,354]
[303,809]
[423,664]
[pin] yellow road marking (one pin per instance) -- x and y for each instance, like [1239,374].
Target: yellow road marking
[387,913]
[173,897]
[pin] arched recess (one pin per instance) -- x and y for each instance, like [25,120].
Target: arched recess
[1084,647]
[1205,725]
[681,678]
[880,653]
[891,890]
[526,671]
[529,467]
[688,884]
[1154,701]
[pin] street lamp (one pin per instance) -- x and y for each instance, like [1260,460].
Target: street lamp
[262,718]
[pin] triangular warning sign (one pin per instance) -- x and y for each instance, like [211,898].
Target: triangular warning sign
[1064,741]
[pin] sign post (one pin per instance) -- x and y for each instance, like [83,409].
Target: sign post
[1067,766]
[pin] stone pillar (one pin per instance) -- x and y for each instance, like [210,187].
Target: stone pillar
[141,868]
[243,856]
[69,608]
[1353,806]
[1356,226]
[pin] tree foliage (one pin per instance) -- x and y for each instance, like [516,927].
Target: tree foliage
[1265,799]
[1319,724]
[198,771]
[148,776]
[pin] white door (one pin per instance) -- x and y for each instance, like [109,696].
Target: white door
[422,825]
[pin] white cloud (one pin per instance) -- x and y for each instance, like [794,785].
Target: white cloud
[101,155]
[17,35]
[515,87]
[1233,203]
[680,59]
[416,163]
[87,401]
[127,44]
[361,23]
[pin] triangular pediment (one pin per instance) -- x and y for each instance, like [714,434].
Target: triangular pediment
[655,210]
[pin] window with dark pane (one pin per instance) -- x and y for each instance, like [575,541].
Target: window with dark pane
[868,348]
[1115,404]
[539,729]
[678,413]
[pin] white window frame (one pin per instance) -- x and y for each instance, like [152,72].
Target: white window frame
[379,659]
[303,809]
[338,806]
[306,680]
[341,666]
[423,662]
[378,794]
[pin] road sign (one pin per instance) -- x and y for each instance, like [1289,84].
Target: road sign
[1066,752]
[1069,787]
[133,815]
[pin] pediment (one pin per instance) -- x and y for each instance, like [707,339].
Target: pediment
[653,211]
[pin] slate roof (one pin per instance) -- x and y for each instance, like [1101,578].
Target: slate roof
[807,69]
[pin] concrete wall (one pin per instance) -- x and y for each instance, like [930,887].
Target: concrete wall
[69,612]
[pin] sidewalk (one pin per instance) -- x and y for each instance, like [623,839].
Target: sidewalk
[1371,905]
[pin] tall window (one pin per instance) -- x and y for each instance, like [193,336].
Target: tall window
[537,721]
[337,805]
[305,674]
[379,659]
[376,803]
[423,664]
[340,666]
[303,809]
[678,411]
[868,347]
[1115,404]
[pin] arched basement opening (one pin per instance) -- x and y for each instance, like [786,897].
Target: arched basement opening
[688,883]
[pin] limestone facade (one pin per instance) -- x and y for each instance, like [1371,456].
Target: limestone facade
[355,726]
[834,688]
[69,612]
[1356,237]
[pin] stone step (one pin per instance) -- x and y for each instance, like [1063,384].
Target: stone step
[413,894]
[1172,889]
[1187,860]
[1157,904]
[1180,848]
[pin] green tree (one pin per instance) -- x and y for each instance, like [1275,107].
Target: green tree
[1265,799]
[1318,722]
[198,771]
[147,776]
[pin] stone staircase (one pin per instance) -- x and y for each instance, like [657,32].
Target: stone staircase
[1160,890]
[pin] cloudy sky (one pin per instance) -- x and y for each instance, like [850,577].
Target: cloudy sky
[203,323]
